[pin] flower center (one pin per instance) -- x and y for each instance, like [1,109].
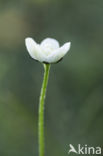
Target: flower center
[48,45]
[47,48]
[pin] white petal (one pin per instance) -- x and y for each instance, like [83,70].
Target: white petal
[34,49]
[50,42]
[59,53]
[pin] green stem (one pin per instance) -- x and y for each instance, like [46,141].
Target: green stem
[41,110]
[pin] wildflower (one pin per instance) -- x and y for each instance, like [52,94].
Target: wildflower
[48,51]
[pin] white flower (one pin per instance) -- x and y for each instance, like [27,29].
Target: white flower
[48,51]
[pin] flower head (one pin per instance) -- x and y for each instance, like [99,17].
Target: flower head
[48,51]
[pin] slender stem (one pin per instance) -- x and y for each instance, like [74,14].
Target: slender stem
[41,110]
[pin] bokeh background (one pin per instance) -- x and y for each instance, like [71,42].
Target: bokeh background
[74,103]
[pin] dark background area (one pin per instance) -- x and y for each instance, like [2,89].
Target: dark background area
[74,103]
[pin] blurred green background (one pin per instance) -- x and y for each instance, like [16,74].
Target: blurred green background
[74,103]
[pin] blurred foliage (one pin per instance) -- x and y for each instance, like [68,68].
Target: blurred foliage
[74,103]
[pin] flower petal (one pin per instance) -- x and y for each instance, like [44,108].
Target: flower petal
[59,53]
[34,49]
[50,42]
